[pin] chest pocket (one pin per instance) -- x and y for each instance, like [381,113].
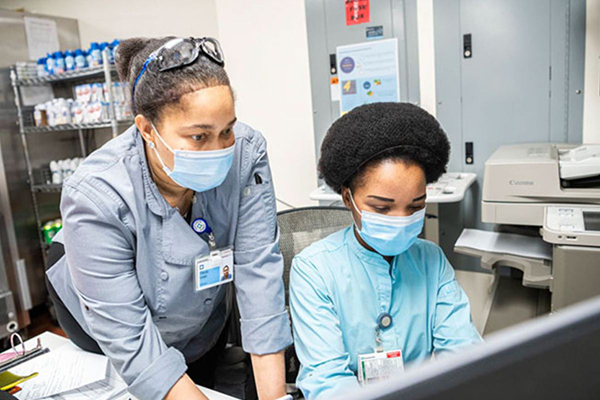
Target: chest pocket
[257,224]
[180,243]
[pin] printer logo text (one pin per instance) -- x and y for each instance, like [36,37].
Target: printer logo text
[520,183]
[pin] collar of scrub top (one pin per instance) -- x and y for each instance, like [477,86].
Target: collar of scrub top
[367,255]
[178,53]
[156,202]
[358,249]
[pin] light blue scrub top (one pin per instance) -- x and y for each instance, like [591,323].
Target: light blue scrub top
[338,289]
[127,276]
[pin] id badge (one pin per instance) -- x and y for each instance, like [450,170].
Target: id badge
[376,367]
[212,270]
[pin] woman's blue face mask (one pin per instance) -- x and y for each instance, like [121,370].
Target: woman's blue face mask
[387,235]
[197,170]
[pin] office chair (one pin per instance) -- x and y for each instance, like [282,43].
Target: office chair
[301,227]
[298,229]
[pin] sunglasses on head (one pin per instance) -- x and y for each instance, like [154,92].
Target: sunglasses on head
[178,53]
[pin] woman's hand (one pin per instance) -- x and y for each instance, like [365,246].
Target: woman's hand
[185,389]
[269,374]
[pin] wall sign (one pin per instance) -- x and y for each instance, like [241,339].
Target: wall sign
[357,12]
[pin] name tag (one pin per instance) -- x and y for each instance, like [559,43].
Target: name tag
[376,367]
[214,269]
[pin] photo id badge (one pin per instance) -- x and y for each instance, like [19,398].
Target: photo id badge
[214,269]
[376,367]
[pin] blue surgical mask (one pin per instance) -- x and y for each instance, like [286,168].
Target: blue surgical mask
[197,170]
[387,235]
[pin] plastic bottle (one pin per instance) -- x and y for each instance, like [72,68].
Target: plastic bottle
[56,227]
[39,115]
[41,67]
[48,232]
[55,171]
[50,64]
[88,58]
[95,55]
[113,50]
[104,46]
[74,165]
[59,63]
[67,171]
[69,61]
[80,61]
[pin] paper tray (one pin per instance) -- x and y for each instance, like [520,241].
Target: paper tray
[528,254]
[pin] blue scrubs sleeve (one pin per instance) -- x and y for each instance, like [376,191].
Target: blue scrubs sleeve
[101,262]
[453,327]
[258,274]
[325,371]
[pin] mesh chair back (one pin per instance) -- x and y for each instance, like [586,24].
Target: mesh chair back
[301,227]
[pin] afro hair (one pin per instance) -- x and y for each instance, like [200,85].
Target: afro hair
[380,131]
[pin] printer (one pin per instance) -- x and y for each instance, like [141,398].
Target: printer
[552,192]
[521,181]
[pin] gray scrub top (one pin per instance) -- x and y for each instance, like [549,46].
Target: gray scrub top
[127,273]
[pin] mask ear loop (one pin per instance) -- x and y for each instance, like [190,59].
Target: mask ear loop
[356,208]
[353,203]
[153,147]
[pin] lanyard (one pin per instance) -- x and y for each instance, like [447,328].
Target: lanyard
[384,320]
[201,227]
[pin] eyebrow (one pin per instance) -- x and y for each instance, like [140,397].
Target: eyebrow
[388,200]
[208,126]
[420,197]
[381,198]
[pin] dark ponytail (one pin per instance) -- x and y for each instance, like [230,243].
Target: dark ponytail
[154,91]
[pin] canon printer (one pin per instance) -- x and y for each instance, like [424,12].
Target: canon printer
[520,181]
[551,192]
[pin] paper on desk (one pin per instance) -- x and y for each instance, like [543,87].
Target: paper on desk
[61,370]
[505,243]
[111,388]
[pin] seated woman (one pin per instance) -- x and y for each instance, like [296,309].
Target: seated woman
[374,287]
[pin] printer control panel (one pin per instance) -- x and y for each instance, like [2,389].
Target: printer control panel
[572,225]
[565,219]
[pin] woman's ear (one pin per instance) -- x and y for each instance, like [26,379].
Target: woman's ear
[145,127]
[346,198]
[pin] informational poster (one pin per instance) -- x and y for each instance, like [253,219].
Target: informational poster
[42,36]
[357,12]
[368,73]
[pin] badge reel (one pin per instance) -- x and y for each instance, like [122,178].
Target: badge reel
[216,268]
[381,365]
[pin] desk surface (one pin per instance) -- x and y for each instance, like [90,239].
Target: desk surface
[450,188]
[53,341]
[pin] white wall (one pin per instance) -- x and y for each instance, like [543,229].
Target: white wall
[266,55]
[105,20]
[591,101]
[426,55]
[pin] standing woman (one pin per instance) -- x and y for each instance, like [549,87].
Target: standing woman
[152,219]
